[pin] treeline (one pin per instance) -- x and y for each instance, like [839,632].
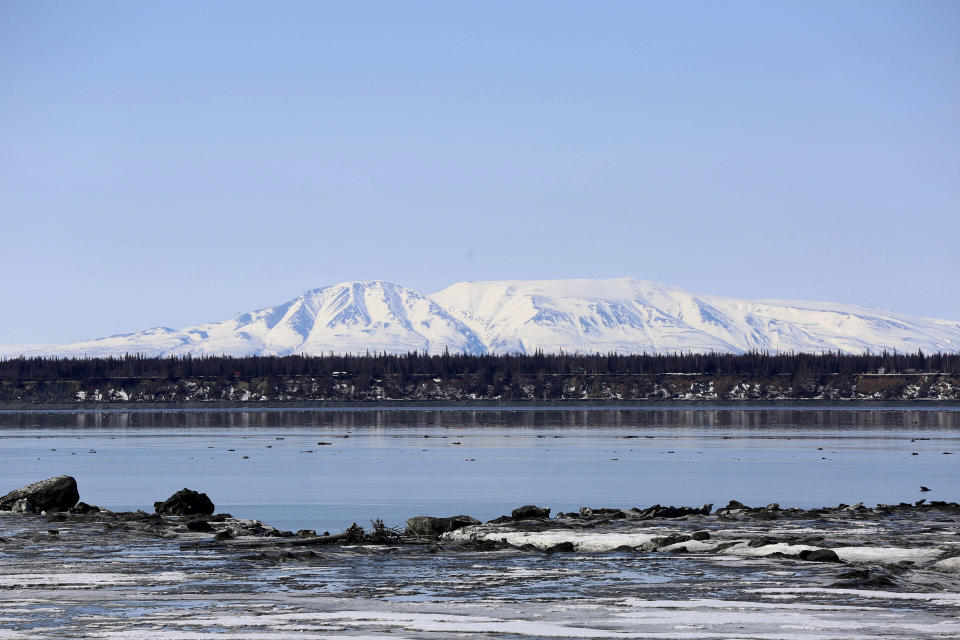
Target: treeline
[484,366]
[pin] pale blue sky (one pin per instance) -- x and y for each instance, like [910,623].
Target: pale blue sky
[173,163]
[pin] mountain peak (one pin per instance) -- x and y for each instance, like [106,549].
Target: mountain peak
[624,315]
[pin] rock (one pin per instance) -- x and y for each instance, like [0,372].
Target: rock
[429,526]
[83,507]
[733,506]
[700,535]
[762,541]
[251,527]
[657,511]
[872,578]
[306,533]
[528,512]
[199,526]
[500,520]
[922,488]
[53,494]
[819,555]
[561,547]
[183,503]
[223,535]
[675,538]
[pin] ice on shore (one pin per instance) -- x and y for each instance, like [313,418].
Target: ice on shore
[886,555]
[949,598]
[430,622]
[948,565]
[86,580]
[581,540]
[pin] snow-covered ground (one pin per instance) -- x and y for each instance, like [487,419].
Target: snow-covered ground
[623,315]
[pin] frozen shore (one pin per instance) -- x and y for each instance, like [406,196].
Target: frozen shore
[654,572]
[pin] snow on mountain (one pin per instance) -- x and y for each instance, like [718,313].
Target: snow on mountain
[621,315]
[351,317]
[573,315]
[633,316]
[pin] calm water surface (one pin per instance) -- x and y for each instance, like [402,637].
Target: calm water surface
[393,464]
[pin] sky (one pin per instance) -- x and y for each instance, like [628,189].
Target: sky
[166,164]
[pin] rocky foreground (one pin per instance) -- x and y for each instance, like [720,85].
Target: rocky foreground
[734,529]
[70,569]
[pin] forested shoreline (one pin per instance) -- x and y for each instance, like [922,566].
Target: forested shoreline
[486,378]
[487,365]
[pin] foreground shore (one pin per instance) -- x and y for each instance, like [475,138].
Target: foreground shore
[664,572]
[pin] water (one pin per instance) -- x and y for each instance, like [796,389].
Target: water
[393,464]
[98,578]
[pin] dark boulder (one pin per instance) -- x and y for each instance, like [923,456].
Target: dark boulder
[734,506]
[183,503]
[83,508]
[53,494]
[657,511]
[762,541]
[672,539]
[529,511]
[428,526]
[869,578]
[500,520]
[819,555]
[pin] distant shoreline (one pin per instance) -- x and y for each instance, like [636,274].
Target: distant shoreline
[488,389]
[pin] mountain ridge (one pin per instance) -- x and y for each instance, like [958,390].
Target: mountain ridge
[619,315]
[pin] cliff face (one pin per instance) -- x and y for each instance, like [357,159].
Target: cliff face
[344,388]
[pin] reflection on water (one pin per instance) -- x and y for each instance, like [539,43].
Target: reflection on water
[702,416]
[392,464]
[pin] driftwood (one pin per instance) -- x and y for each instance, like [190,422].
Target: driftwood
[317,540]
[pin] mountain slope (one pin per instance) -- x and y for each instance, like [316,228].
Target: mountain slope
[351,317]
[633,316]
[572,315]
[621,315]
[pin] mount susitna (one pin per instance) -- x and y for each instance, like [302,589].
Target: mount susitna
[622,315]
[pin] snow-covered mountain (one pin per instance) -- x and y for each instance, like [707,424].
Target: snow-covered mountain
[351,317]
[621,315]
[626,315]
